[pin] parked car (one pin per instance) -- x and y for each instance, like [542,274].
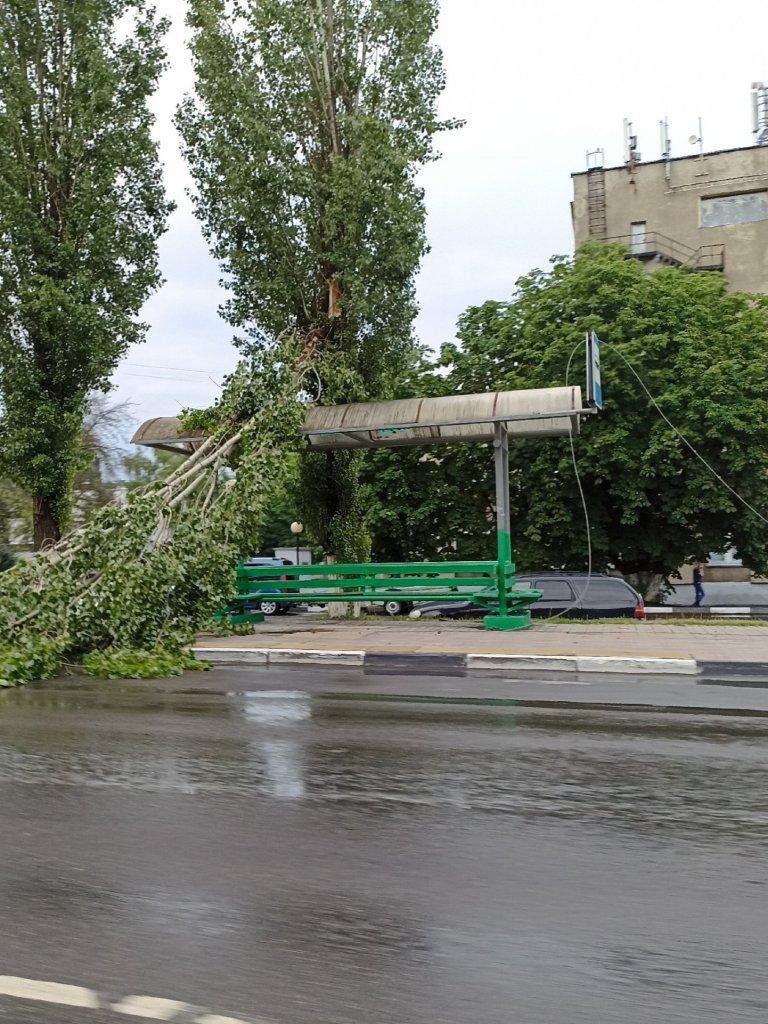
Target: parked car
[391,607]
[575,595]
[396,606]
[270,603]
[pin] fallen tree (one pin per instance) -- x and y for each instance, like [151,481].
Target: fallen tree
[128,592]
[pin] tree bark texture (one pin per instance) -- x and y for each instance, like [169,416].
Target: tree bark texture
[46,528]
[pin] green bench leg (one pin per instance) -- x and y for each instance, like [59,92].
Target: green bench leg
[521,620]
[239,618]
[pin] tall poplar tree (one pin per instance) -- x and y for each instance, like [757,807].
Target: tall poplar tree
[81,209]
[310,121]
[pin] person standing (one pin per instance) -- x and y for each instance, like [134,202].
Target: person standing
[698,580]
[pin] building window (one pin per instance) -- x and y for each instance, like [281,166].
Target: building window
[637,236]
[746,208]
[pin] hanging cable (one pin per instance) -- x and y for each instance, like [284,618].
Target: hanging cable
[682,437]
[580,596]
[156,366]
[672,427]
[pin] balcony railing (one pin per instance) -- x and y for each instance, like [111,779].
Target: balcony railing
[653,245]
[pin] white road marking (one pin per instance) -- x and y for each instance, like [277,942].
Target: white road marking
[48,992]
[214,1019]
[150,1008]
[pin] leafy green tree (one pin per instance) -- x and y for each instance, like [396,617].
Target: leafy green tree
[700,351]
[418,500]
[81,210]
[310,121]
[421,506]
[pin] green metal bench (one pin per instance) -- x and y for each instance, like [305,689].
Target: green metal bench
[490,584]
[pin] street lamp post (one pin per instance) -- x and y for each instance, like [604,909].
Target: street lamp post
[297,529]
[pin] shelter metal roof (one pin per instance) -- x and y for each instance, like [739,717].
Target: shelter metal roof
[166,432]
[539,412]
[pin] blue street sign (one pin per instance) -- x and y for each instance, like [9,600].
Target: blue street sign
[594,380]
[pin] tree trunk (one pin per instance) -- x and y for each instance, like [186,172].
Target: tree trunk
[650,584]
[46,528]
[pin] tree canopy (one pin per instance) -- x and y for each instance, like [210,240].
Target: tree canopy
[309,123]
[702,353]
[81,209]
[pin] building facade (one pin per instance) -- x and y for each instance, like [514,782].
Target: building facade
[708,212]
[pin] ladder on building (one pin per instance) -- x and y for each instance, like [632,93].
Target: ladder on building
[596,215]
[596,202]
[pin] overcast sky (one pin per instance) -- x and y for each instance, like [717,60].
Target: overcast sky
[538,85]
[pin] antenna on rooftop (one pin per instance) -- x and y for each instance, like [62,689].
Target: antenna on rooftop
[666,147]
[694,139]
[631,155]
[760,113]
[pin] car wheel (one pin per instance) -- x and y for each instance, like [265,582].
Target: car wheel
[396,607]
[269,607]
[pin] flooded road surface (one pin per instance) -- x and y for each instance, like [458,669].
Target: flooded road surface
[304,860]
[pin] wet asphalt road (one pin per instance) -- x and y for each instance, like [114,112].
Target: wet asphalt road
[295,858]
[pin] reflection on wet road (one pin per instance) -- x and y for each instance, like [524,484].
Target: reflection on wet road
[315,860]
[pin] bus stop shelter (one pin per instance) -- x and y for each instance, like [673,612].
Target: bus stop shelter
[495,417]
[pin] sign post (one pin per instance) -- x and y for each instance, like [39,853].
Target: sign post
[594,381]
[506,617]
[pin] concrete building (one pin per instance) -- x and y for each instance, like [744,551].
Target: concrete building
[708,212]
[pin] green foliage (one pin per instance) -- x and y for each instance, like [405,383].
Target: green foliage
[310,122]
[285,508]
[81,210]
[330,492]
[652,504]
[117,664]
[425,503]
[28,658]
[149,576]
[431,505]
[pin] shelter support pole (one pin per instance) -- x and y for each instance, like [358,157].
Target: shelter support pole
[503,620]
[503,537]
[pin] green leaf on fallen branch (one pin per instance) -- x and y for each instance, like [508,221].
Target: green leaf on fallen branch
[154,664]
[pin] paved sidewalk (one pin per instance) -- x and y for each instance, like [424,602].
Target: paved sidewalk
[642,640]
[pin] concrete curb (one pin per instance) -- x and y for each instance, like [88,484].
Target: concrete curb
[579,663]
[681,611]
[410,662]
[278,656]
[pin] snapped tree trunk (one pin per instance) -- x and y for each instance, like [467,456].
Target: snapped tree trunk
[46,528]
